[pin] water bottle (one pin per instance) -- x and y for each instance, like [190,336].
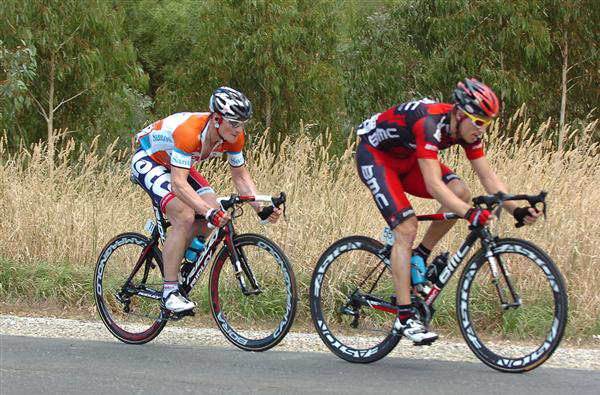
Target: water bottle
[436,267]
[194,250]
[417,270]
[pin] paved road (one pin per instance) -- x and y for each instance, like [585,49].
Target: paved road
[30,365]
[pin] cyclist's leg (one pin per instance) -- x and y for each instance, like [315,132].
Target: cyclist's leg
[204,190]
[184,223]
[380,173]
[155,179]
[414,184]
[178,237]
[404,237]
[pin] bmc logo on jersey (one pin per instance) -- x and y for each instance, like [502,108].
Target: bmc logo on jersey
[378,135]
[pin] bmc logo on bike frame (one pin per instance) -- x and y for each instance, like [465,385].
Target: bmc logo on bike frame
[453,264]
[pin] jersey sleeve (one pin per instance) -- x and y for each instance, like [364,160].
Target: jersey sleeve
[427,138]
[185,143]
[474,150]
[235,156]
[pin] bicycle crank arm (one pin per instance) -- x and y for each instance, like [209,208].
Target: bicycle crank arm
[146,292]
[375,303]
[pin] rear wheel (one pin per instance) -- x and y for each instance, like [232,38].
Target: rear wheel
[258,316]
[522,333]
[127,288]
[352,300]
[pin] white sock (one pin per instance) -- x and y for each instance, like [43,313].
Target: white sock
[169,287]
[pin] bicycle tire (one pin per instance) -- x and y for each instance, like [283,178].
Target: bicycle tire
[330,291]
[129,316]
[542,311]
[254,322]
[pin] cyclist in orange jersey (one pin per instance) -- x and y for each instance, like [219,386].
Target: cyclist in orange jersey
[398,154]
[162,165]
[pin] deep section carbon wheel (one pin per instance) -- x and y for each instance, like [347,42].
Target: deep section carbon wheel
[352,300]
[254,308]
[512,306]
[127,288]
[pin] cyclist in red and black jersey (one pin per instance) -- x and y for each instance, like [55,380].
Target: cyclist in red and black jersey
[397,154]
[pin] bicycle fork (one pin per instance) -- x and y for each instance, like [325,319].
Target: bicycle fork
[240,266]
[495,262]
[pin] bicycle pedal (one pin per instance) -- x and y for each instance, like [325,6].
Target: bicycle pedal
[182,314]
[424,343]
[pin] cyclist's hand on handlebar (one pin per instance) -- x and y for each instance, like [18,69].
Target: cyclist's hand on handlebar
[526,215]
[478,216]
[217,217]
[273,214]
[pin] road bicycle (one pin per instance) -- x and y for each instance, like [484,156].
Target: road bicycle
[251,289]
[510,295]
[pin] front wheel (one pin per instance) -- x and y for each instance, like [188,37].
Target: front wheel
[512,306]
[127,288]
[352,300]
[254,308]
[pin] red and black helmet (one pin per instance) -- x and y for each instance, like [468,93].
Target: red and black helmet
[476,98]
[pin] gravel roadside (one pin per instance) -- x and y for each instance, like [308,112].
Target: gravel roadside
[564,357]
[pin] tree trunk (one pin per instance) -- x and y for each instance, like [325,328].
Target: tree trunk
[50,119]
[563,99]
[268,110]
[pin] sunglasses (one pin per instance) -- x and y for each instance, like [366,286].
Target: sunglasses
[236,124]
[479,122]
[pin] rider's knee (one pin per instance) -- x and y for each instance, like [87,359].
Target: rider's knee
[406,232]
[185,219]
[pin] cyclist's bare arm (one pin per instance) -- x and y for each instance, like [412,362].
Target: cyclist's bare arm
[244,185]
[430,168]
[184,191]
[493,184]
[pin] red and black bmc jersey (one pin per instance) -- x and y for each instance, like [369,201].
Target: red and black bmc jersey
[420,127]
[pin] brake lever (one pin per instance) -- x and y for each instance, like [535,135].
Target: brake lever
[267,211]
[533,202]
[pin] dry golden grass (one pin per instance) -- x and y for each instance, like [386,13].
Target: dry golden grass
[65,213]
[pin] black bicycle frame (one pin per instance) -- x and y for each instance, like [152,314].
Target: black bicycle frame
[453,264]
[455,261]
[238,260]
[487,243]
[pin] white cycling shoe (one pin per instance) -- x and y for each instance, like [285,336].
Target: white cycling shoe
[414,330]
[177,303]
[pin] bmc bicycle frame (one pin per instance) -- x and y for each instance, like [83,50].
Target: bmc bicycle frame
[453,264]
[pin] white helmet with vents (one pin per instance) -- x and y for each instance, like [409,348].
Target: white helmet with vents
[231,104]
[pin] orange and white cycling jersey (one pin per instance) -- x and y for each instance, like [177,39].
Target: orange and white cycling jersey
[177,141]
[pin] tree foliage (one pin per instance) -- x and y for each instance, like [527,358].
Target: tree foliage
[110,66]
[424,47]
[81,70]
[280,53]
